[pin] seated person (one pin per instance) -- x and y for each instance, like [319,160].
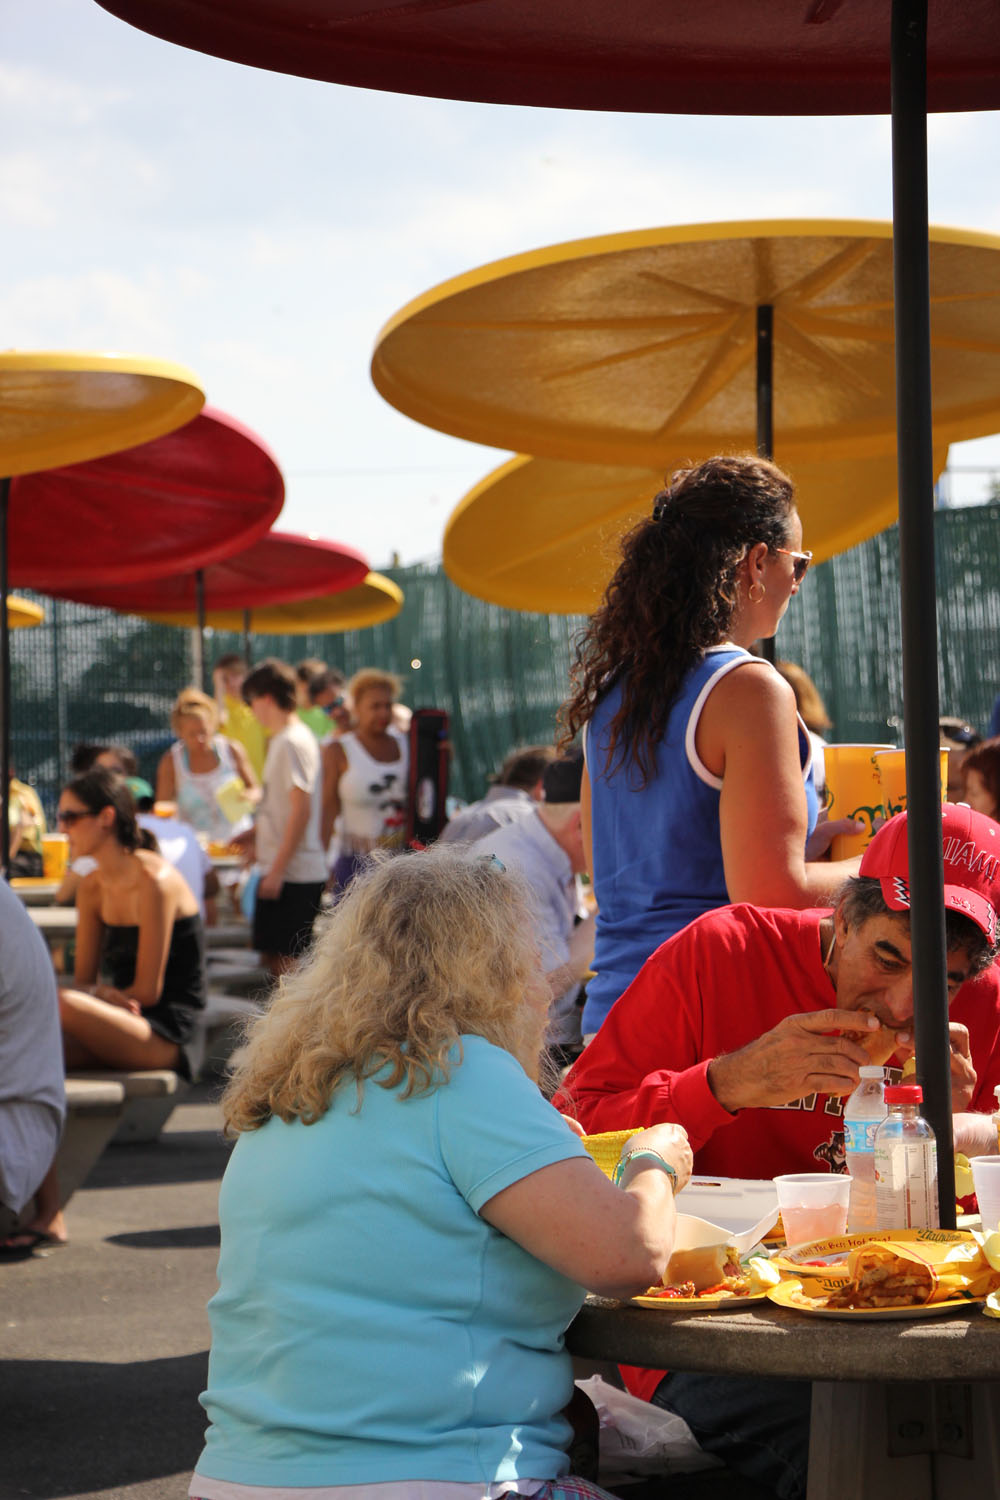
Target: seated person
[543,842]
[27,829]
[517,784]
[32,1096]
[980,778]
[407,1226]
[728,1028]
[139,920]
[958,737]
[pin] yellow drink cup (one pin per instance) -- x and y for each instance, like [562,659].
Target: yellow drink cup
[854,791]
[55,855]
[892,775]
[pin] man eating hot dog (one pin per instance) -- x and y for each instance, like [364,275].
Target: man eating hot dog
[749,1026]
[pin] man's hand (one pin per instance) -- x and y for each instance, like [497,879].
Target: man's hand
[963,1074]
[801,1055]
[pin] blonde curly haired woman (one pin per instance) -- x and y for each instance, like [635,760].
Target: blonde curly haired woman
[407,1225]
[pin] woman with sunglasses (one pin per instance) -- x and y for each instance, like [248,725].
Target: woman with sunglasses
[698,790]
[138,924]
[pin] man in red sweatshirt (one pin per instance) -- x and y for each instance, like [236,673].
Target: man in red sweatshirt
[748,1027]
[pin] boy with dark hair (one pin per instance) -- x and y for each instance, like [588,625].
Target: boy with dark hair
[288,853]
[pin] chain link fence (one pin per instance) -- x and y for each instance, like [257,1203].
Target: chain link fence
[89,674]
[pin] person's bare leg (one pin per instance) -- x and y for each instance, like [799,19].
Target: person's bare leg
[97,1034]
[47,1218]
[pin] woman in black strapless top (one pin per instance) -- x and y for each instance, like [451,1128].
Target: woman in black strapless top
[138,920]
[139,971]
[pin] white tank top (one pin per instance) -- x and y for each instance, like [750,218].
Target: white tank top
[196,791]
[373,795]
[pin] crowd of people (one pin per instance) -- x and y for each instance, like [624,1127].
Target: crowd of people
[640,928]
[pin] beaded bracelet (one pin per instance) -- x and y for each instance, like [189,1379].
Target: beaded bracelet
[641,1151]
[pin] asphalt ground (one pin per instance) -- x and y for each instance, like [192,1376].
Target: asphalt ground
[105,1342]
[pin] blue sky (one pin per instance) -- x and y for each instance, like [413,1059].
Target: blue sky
[260,229]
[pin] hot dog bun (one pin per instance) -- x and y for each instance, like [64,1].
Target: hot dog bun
[704,1267]
[880,1045]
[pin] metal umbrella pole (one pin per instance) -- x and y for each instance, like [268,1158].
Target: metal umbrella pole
[911,275]
[765,410]
[199,595]
[4,680]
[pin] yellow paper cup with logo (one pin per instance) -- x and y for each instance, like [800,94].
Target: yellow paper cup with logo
[55,855]
[853,790]
[892,777]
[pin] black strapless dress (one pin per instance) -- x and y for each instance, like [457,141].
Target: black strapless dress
[183,993]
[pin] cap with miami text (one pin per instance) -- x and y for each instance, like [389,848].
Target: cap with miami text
[971,851]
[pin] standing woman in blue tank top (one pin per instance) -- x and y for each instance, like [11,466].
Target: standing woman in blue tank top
[698,789]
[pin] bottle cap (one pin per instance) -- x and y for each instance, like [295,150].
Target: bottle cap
[873,1071]
[904,1093]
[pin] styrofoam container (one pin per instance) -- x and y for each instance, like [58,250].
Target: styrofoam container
[731,1210]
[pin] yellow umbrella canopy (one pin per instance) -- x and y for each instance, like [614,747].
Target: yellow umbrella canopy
[639,348]
[65,408]
[370,602]
[541,534]
[22,614]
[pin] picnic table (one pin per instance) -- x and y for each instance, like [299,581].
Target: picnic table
[912,1402]
[35,890]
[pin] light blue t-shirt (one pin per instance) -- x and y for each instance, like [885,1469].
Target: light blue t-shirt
[657,849]
[369,1325]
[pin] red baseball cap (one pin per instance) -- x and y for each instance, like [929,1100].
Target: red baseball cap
[971,865]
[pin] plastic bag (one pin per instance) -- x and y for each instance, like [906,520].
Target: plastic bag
[638,1438]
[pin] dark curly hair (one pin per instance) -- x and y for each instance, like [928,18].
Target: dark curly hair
[673,596]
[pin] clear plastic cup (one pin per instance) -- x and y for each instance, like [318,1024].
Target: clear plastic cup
[986,1176]
[813,1205]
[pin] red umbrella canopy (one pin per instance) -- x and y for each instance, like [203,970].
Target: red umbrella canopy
[180,502]
[721,57]
[277,569]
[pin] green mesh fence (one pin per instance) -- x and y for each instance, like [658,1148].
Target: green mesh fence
[88,674]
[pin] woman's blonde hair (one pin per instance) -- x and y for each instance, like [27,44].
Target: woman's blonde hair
[422,948]
[192,701]
[373,677]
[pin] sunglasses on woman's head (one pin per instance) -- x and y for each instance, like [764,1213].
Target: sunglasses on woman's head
[800,562]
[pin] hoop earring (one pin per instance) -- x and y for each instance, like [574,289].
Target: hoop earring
[750,592]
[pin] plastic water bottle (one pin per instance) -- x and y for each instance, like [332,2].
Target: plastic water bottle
[906,1163]
[863,1113]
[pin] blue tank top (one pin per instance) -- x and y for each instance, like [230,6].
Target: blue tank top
[658,847]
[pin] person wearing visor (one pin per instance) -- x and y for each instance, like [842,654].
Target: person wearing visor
[698,788]
[750,1025]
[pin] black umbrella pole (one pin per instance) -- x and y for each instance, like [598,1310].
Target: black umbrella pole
[199,594]
[4,679]
[765,408]
[911,271]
